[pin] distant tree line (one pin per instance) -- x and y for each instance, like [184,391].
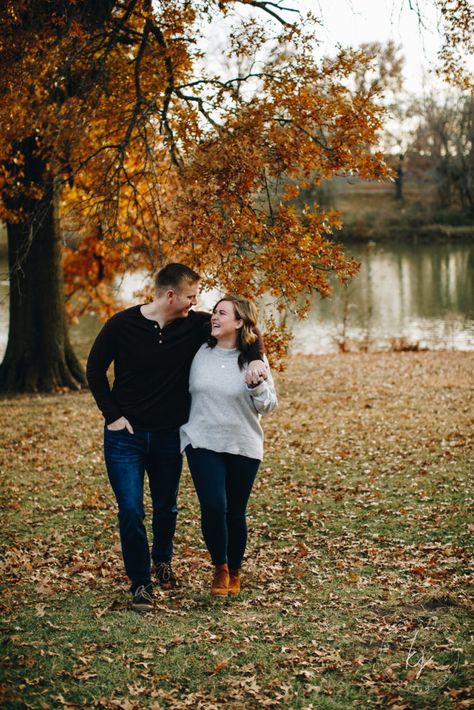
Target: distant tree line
[441,147]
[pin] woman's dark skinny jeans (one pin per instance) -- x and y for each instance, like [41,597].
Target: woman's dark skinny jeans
[223,484]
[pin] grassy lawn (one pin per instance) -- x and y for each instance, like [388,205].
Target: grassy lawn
[357,575]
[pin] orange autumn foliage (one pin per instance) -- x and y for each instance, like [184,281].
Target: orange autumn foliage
[165,150]
[458,42]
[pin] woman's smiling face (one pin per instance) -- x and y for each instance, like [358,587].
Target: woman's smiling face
[224,323]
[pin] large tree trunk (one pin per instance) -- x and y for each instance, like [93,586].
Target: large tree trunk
[39,356]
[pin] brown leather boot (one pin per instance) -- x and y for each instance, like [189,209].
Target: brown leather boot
[234,582]
[220,583]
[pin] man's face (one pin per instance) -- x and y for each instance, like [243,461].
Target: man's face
[183,298]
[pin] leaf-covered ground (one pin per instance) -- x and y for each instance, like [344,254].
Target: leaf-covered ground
[358,570]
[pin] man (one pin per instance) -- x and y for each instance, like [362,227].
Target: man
[152,347]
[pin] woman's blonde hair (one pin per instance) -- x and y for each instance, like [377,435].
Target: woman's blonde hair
[246,311]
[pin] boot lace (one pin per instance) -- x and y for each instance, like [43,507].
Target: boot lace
[164,571]
[141,591]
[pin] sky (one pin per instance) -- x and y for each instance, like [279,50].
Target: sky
[352,22]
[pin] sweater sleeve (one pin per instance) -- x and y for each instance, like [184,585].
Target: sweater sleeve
[101,355]
[264,396]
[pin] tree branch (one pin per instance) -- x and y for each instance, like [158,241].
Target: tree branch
[266,5]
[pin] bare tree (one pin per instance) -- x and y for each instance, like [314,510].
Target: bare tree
[443,147]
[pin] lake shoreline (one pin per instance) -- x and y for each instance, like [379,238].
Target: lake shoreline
[426,234]
[363,232]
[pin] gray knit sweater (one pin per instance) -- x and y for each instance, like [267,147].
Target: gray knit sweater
[225,412]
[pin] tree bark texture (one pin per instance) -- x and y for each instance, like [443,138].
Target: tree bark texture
[39,356]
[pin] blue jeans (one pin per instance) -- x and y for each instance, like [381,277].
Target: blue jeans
[127,457]
[223,484]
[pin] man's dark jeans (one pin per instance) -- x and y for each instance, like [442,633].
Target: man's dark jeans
[127,457]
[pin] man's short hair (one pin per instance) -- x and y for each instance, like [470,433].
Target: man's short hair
[173,275]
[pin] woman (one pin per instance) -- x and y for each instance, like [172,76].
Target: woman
[223,439]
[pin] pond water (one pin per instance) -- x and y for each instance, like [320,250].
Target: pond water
[406,295]
[422,295]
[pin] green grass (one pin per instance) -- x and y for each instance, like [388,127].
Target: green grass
[357,578]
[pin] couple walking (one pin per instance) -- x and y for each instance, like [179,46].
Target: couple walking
[184,381]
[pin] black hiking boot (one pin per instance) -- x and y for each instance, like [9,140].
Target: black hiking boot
[165,575]
[143,599]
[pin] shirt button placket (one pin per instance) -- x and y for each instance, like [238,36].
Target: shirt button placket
[159,334]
